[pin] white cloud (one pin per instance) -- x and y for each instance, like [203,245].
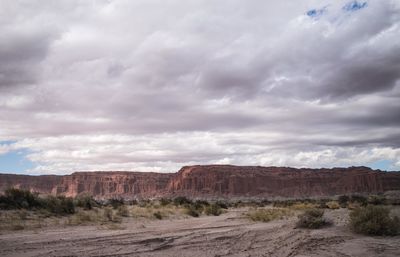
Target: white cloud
[153,85]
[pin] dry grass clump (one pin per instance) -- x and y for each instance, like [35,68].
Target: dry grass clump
[333,205]
[313,219]
[123,211]
[266,215]
[213,209]
[148,211]
[303,206]
[374,220]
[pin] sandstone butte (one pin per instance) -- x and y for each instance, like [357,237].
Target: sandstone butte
[211,181]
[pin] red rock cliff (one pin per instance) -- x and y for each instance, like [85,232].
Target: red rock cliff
[251,181]
[43,184]
[114,184]
[212,181]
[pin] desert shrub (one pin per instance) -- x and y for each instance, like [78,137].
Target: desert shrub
[108,214]
[85,201]
[191,211]
[123,211]
[312,218]
[59,205]
[81,217]
[144,203]
[116,202]
[131,202]
[14,198]
[376,199]
[202,202]
[283,204]
[266,215]
[23,214]
[213,209]
[181,200]
[374,220]
[158,215]
[362,200]
[165,201]
[303,206]
[222,204]
[343,200]
[333,205]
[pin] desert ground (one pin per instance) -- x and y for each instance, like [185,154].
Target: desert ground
[230,234]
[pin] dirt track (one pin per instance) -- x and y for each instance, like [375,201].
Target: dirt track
[226,235]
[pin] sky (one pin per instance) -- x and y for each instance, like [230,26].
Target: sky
[144,85]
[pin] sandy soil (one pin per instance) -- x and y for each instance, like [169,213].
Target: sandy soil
[227,235]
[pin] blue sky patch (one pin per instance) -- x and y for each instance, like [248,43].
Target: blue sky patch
[354,6]
[382,165]
[15,162]
[315,13]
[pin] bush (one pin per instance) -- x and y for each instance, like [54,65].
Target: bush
[59,205]
[123,211]
[374,220]
[343,200]
[377,199]
[158,215]
[362,200]
[181,200]
[165,201]
[303,206]
[266,215]
[86,202]
[14,198]
[116,202]
[312,218]
[108,214]
[213,209]
[191,211]
[222,205]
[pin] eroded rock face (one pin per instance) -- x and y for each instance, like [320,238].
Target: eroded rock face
[250,181]
[43,184]
[212,181]
[114,184]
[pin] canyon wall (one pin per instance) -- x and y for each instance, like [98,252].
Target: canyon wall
[212,181]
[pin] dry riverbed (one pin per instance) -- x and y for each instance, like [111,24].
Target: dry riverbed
[230,234]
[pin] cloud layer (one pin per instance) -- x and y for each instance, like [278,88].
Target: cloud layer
[154,85]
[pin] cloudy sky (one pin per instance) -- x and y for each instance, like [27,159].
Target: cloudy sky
[155,85]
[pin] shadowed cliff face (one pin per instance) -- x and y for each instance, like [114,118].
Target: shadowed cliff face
[212,181]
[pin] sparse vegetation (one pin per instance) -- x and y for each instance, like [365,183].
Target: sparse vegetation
[17,199]
[333,205]
[312,219]
[213,209]
[191,211]
[181,200]
[343,200]
[59,205]
[374,220]
[123,211]
[266,215]
[116,202]
[86,202]
[376,199]
[158,215]
[359,199]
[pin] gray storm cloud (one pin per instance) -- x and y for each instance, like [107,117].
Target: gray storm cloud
[153,85]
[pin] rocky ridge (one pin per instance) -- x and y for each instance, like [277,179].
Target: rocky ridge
[212,181]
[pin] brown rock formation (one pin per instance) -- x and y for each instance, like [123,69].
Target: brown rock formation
[114,184]
[251,181]
[43,184]
[212,181]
